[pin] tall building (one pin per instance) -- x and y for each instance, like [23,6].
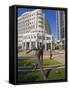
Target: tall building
[47,26]
[61,27]
[33,30]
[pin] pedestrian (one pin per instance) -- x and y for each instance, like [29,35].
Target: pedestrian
[50,54]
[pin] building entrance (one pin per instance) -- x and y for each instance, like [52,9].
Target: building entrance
[27,47]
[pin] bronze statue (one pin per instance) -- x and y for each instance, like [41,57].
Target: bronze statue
[39,54]
[39,59]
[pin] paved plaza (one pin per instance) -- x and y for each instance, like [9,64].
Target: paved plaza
[58,55]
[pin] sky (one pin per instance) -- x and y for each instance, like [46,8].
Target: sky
[51,14]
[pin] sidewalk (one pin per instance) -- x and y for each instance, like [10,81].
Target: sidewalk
[58,55]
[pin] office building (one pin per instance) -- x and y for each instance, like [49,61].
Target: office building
[34,30]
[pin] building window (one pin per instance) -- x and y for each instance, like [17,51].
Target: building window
[23,44]
[48,46]
[33,44]
[47,38]
[40,22]
[31,36]
[40,26]
[62,33]
[34,36]
[40,18]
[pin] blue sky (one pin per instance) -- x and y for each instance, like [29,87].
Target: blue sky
[51,14]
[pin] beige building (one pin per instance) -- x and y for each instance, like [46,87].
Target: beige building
[34,30]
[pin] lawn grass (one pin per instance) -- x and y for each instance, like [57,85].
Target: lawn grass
[25,62]
[57,74]
[37,76]
[50,62]
[32,62]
